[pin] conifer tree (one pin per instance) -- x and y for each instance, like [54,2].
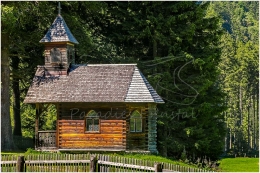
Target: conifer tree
[176,47]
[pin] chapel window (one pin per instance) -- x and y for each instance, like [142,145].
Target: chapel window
[136,122]
[92,121]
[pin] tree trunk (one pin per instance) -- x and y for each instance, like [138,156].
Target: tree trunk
[230,139]
[254,119]
[240,105]
[227,134]
[16,95]
[256,111]
[257,119]
[7,142]
[165,145]
[248,125]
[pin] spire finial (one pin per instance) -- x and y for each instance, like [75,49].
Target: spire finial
[59,8]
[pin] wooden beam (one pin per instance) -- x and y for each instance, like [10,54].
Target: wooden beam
[40,109]
[57,124]
[37,125]
[126,165]
[152,128]
[91,149]
[56,161]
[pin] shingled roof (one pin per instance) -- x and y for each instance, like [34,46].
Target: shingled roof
[59,32]
[93,83]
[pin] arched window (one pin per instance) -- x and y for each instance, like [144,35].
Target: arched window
[136,122]
[92,121]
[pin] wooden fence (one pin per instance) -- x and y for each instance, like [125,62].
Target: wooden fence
[85,163]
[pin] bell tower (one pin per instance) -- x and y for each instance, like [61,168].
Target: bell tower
[59,47]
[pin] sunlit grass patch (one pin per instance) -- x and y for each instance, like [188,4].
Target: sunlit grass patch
[241,164]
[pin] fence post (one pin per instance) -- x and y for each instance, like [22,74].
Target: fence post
[157,167]
[20,164]
[93,163]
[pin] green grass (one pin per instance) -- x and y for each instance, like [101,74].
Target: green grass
[12,152]
[156,158]
[22,152]
[241,164]
[149,157]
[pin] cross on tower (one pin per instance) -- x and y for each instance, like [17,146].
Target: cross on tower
[59,8]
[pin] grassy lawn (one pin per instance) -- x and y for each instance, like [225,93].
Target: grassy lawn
[149,157]
[241,164]
[13,152]
[156,158]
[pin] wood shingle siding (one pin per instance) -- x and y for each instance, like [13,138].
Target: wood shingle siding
[59,32]
[140,90]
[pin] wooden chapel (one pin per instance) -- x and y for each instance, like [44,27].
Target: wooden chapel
[100,107]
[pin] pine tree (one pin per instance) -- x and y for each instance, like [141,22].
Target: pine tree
[176,47]
[239,69]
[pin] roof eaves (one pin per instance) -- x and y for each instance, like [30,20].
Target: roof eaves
[155,96]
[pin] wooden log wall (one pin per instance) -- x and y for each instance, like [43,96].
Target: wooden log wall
[72,133]
[137,140]
[114,127]
[152,128]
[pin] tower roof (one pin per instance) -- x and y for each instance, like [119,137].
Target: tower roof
[59,32]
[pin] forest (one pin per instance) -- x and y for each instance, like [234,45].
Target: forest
[201,57]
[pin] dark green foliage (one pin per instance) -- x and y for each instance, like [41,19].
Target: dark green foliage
[176,47]
[26,27]
[24,31]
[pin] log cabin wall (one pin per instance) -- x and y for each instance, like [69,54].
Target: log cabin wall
[71,129]
[152,128]
[137,140]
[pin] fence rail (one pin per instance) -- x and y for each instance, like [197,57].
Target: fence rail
[126,165]
[85,163]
